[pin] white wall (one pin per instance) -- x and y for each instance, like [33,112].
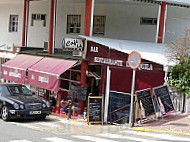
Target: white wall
[122,21]
[5,35]
[177,20]
[37,34]
[62,10]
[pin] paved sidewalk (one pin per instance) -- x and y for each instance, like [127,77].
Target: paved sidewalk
[177,123]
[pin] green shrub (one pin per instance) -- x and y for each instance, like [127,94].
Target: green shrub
[179,77]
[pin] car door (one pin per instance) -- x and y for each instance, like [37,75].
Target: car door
[1,97]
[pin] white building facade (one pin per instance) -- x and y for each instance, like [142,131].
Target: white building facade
[130,20]
[33,23]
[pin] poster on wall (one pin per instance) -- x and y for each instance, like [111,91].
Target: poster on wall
[163,99]
[145,102]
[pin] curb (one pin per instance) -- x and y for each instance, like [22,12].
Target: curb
[159,131]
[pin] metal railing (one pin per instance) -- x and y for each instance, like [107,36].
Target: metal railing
[121,108]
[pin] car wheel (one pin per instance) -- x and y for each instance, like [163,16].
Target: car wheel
[5,113]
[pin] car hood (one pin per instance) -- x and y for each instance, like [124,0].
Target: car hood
[25,99]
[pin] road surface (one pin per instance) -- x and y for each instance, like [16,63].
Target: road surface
[55,129]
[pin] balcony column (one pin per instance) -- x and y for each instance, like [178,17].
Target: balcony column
[53,5]
[161,23]
[88,24]
[25,22]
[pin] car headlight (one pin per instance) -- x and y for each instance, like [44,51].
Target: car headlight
[48,104]
[44,105]
[21,106]
[16,106]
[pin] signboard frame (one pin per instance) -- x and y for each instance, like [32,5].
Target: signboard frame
[148,116]
[88,110]
[169,112]
[121,98]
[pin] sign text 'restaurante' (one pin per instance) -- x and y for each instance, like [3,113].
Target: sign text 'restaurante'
[108,61]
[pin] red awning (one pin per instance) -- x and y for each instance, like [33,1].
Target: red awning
[15,69]
[45,74]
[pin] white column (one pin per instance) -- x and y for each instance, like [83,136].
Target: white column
[92,17]
[158,24]
[107,94]
[54,25]
[166,12]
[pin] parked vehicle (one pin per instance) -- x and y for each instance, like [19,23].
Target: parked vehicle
[17,101]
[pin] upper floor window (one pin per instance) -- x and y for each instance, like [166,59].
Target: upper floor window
[39,17]
[99,25]
[13,23]
[148,21]
[73,24]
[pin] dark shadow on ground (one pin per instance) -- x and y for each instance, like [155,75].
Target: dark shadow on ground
[33,120]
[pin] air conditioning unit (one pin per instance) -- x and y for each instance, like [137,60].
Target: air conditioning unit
[77,53]
[46,44]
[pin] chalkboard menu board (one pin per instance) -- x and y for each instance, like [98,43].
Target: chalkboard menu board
[119,108]
[95,109]
[163,98]
[81,93]
[145,101]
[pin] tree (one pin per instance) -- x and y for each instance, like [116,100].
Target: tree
[180,49]
[179,78]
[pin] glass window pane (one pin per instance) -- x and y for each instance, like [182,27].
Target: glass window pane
[13,23]
[73,23]
[99,25]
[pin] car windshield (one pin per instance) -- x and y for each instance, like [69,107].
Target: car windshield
[19,90]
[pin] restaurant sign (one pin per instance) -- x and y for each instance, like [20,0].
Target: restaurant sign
[13,74]
[104,55]
[6,47]
[70,44]
[108,61]
[143,66]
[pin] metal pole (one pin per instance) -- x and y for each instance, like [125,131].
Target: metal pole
[132,92]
